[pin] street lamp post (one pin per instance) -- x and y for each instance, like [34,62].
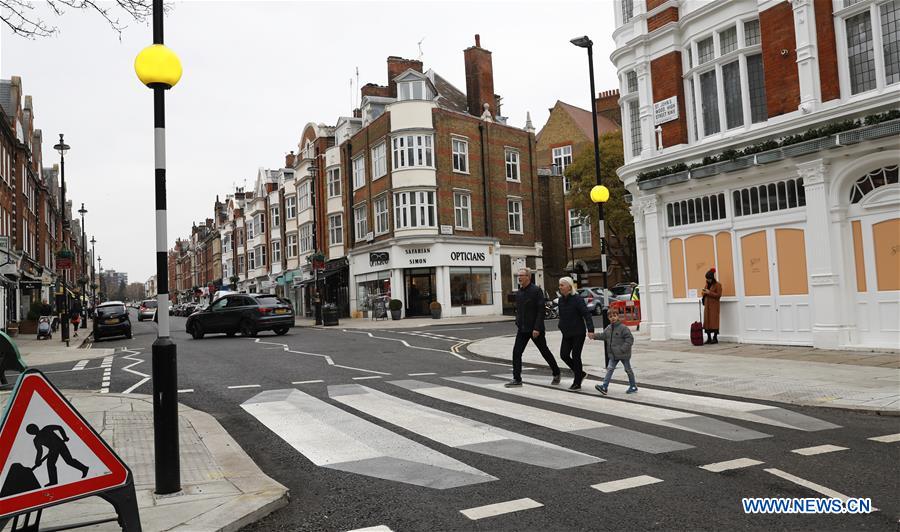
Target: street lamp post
[93,281]
[597,196]
[159,69]
[82,211]
[62,300]
[313,172]
[100,277]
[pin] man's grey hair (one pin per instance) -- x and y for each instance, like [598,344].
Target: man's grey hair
[526,270]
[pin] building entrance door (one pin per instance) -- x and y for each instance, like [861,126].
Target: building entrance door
[876,246]
[419,291]
[775,306]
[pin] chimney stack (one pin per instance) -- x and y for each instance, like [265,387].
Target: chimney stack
[289,160]
[396,66]
[608,106]
[479,79]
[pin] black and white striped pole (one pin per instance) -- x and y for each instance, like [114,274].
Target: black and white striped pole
[159,69]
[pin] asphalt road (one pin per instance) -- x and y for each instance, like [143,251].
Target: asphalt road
[336,428]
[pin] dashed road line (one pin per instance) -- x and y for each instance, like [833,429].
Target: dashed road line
[80,365]
[243,386]
[308,382]
[420,374]
[379,528]
[107,373]
[626,483]
[367,377]
[739,463]
[819,449]
[807,484]
[888,438]
[186,390]
[475,371]
[500,508]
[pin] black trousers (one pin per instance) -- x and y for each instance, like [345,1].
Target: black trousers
[540,342]
[570,353]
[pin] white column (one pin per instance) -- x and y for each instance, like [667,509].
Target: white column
[648,136]
[807,55]
[641,248]
[826,304]
[655,294]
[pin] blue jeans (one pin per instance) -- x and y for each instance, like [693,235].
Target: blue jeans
[612,366]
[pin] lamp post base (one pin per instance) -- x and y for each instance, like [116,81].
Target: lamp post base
[165,416]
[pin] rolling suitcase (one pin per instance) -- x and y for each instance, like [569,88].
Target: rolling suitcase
[697,329]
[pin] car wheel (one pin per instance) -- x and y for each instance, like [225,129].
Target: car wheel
[128,335]
[231,334]
[197,331]
[247,329]
[281,331]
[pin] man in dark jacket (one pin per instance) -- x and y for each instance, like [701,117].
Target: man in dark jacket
[530,326]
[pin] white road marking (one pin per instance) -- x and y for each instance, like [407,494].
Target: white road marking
[186,390]
[475,371]
[739,463]
[327,358]
[500,508]
[889,438]
[80,365]
[420,374]
[626,483]
[406,344]
[137,385]
[107,373]
[146,378]
[379,528]
[367,377]
[243,386]
[807,484]
[463,329]
[308,382]
[819,449]
[360,369]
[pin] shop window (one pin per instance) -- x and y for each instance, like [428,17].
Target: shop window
[371,287]
[790,248]
[871,181]
[788,194]
[470,286]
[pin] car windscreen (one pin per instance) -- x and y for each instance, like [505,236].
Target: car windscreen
[269,300]
[150,303]
[110,310]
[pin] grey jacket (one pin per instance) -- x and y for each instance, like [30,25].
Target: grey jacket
[620,340]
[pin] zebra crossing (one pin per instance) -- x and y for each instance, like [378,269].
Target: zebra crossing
[403,430]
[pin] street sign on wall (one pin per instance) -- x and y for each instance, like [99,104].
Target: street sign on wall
[665,110]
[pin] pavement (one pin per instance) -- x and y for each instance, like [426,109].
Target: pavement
[406,323]
[222,487]
[796,375]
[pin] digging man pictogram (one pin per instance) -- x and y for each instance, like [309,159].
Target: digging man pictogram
[56,447]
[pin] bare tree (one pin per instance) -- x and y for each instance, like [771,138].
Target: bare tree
[21,17]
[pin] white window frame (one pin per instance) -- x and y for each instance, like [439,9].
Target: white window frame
[841,16]
[382,215]
[334,182]
[462,210]
[583,232]
[514,215]
[275,216]
[560,154]
[361,221]
[412,207]
[513,169]
[412,150]
[379,160]
[358,165]
[290,206]
[292,246]
[459,149]
[276,252]
[336,229]
[251,259]
[305,239]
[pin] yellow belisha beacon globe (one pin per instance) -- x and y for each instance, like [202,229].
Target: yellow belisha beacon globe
[158,66]
[599,194]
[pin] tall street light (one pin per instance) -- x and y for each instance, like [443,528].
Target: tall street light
[599,194]
[100,276]
[82,211]
[93,271]
[62,299]
[313,173]
[159,69]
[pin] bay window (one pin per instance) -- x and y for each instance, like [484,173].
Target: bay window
[414,209]
[291,246]
[413,151]
[306,241]
[290,206]
[872,38]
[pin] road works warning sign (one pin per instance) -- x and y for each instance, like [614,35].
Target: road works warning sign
[48,452]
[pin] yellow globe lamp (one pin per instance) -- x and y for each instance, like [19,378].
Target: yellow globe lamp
[599,194]
[158,67]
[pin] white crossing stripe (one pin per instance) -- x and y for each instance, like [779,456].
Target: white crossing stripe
[367,377]
[308,382]
[889,438]
[420,374]
[632,411]
[243,386]
[586,428]
[819,449]
[475,371]
[500,508]
[626,483]
[807,484]
[456,431]
[379,528]
[330,437]
[80,365]
[186,390]
[740,463]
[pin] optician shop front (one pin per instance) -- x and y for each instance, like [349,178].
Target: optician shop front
[460,274]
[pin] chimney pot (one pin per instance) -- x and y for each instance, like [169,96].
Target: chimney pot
[478,40]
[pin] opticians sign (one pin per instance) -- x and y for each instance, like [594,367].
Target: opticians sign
[665,110]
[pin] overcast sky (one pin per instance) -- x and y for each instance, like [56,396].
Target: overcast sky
[254,74]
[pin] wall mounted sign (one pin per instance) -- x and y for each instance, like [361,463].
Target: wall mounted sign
[446,229]
[665,110]
[379,258]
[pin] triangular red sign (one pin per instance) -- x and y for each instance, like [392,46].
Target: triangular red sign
[48,453]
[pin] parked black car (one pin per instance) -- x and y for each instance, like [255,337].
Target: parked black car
[245,313]
[112,320]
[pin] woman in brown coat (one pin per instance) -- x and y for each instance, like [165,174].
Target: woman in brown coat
[711,295]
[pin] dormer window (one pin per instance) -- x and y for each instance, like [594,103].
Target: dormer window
[411,90]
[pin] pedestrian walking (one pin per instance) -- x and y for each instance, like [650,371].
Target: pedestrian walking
[75,316]
[530,326]
[619,344]
[574,321]
[711,295]
[56,447]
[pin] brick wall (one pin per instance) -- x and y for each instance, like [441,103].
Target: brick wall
[782,78]
[665,73]
[653,4]
[827,51]
[607,103]
[662,18]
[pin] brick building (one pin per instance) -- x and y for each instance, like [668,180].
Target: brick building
[761,139]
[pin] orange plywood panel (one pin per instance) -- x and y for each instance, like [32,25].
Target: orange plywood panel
[790,246]
[700,256]
[859,256]
[755,262]
[676,256]
[725,260]
[886,238]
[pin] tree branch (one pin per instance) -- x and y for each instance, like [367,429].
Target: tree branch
[13,13]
